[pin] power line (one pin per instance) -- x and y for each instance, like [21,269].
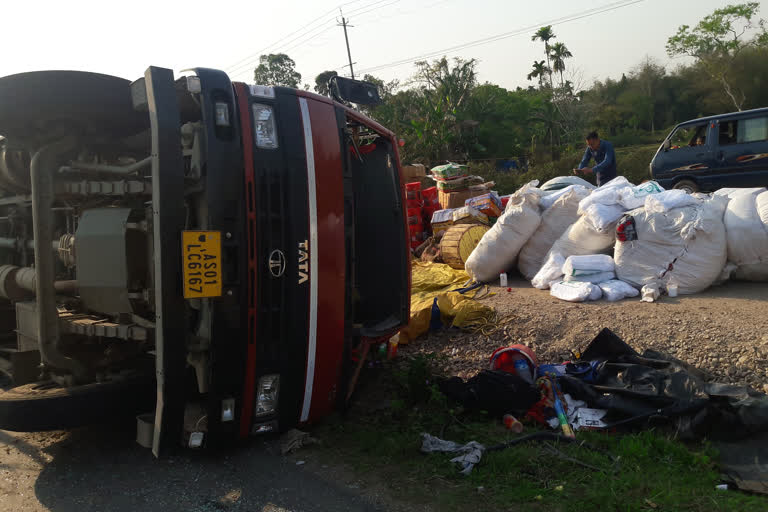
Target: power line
[252,58]
[294,32]
[398,14]
[286,50]
[559,21]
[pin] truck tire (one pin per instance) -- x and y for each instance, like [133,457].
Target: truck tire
[41,406]
[689,186]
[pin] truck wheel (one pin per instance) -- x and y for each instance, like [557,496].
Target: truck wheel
[687,185]
[43,406]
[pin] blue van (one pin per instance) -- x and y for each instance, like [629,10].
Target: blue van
[728,150]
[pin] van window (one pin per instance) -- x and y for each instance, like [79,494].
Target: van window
[743,131]
[753,130]
[689,135]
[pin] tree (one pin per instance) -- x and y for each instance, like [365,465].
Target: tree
[648,76]
[277,69]
[545,34]
[435,110]
[559,52]
[321,82]
[540,71]
[717,41]
[547,115]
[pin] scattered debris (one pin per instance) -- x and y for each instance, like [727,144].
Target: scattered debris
[295,439]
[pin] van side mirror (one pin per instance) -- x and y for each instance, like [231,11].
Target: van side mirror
[354,91]
[667,145]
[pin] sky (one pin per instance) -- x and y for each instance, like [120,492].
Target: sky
[124,38]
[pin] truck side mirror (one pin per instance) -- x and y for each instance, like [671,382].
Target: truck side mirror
[667,145]
[354,91]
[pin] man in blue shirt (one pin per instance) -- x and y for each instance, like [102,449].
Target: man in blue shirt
[605,159]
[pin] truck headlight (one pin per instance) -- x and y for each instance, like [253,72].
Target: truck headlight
[267,395]
[265,129]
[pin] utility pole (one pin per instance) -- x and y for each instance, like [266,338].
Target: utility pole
[346,38]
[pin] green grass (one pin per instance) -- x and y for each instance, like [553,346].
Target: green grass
[632,162]
[653,471]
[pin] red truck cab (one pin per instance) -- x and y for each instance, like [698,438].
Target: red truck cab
[246,243]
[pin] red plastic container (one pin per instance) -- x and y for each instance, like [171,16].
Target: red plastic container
[414,216]
[413,191]
[504,201]
[429,195]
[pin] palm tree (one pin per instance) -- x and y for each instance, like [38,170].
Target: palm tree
[545,34]
[559,53]
[540,70]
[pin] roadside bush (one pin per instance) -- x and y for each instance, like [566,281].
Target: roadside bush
[632,162]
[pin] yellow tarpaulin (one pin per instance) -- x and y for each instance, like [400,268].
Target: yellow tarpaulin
[430,281]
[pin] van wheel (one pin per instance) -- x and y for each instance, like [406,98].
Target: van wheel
[687,185]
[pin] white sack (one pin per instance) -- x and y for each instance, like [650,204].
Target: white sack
[567,180]
[634,197]
[596,278]
[747,237]
[617,182]
[691,239]
[583,238]
[669,199]
[499,247]
[554,222]
[606,196]
[548,199]
[762,208]
[604,216]
[650,293]
[726,274]
[615,290]
[595,293]
[732,193]
[551,271]
[588,264]
[572,292]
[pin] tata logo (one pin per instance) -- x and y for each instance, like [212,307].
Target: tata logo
[277,263]
[303,263]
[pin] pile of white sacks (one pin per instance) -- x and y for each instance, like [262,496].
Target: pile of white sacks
[587,244]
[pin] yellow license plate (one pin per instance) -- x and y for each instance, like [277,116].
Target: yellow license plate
[201,261]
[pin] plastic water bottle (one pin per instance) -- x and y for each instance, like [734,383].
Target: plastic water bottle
[503,279]
[523,370]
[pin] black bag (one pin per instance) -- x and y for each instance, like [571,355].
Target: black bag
[494,391]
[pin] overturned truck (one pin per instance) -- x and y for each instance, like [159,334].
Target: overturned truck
[211,253]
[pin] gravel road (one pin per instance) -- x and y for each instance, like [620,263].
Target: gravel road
[723,330]
[101,468]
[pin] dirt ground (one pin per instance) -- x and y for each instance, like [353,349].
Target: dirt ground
[723,330]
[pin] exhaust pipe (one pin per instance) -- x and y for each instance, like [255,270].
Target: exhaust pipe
[45,164]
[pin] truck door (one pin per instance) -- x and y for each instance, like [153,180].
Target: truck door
[742,152]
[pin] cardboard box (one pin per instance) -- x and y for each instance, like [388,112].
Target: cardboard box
[414,172]
[489,204]
[459,199]
[469,215]
[441,221]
